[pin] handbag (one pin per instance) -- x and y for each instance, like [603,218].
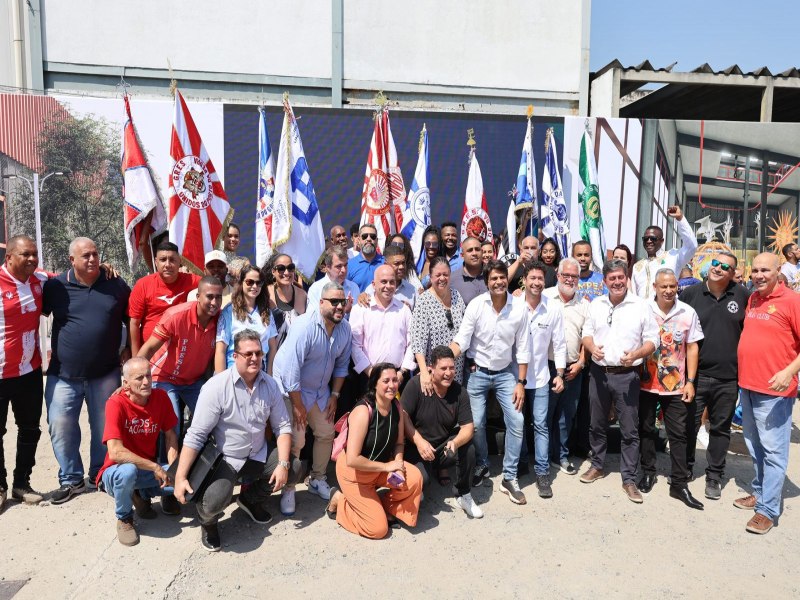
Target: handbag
[342,427]
[202,470]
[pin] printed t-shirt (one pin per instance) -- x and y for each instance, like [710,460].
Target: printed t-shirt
[188,347]
[150,297]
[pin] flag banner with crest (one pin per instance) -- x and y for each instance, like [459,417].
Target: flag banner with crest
[554,208]
[475,216]
[199,211]
[589,201]
[144,214]
[417,210]
[272,224]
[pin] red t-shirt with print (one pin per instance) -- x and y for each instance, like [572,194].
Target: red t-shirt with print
[150,297]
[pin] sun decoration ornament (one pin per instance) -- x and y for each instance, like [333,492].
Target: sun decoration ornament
[784,232]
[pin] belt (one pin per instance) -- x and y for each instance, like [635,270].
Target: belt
[616,370]
[488,371]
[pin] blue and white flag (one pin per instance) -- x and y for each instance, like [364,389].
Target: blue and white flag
[553,208]
[524,194]
[295,192]
[271,228]
[417,209]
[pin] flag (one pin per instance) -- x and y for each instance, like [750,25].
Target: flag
[384,193]
[554,209]
[294,193]
[589,201]
[523,195]
[272,225]
[475,216]
[417,209]
[199,211]
[144,214]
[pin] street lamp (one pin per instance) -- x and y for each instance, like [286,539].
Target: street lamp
[36,186]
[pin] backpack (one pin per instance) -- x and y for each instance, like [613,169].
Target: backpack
[342,427]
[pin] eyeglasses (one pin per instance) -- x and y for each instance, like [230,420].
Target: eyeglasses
[432,245]
[650,238]
[253,354]
[448,314]
[283,268]
[610,318]
[336,301]
[369,236]
[253,282]
[568,276]
[724,266]
[400,244]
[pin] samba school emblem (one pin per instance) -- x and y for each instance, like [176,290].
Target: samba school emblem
[476,224]
[191,182]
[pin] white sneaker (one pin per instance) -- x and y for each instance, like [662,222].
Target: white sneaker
[320,487]
[468,505]
[287,502]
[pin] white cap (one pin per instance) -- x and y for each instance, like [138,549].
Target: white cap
[216,255]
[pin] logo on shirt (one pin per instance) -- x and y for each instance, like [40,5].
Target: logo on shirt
[170,299]
[137,426]
[37,289]
[771,308]
[733,307]
[9,295]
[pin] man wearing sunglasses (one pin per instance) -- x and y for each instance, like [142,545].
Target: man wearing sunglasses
[644,271]
[619,333]
[361,268]
[720,304]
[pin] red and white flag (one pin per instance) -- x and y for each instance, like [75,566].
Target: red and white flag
[199,210]
[475,217]
[144,214]
[384,193]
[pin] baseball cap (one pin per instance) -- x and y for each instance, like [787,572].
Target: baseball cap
[216,255]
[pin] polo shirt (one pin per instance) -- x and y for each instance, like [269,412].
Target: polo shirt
[361,271]
[151,296]
[87,324]
[436,418]
[188,347]
[770,340]
[469,287]
[20,309]
[722,321]
[592,286]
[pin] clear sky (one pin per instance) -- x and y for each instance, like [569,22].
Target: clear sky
[693,32]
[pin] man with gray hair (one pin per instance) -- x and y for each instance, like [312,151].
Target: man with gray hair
[89,310]
[317,349]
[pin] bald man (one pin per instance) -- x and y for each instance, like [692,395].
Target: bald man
[528,251]
[769,359]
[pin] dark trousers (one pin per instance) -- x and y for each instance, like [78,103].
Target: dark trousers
[218,493]
[25,395]
[579,434]
[719,396]
[676,420]
[621,389]
[463,461]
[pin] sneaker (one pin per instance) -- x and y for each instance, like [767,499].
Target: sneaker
[511,487]
[591,475]
[126,532]
[759,524]
[254,511]
[467,504]
[320,487]
[170,505]
[567,467]
[67,491]
[713,489]
[24,493]
[209,537]
[91,482]
[143,508]
[478,475]
[746,503]
[634,495]
[287,502]
[543,483]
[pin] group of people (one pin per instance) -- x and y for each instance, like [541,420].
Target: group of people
[233,368]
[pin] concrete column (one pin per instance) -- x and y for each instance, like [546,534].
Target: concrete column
[337,53]
[766,102]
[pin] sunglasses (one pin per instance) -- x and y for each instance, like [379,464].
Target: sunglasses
[253,354]
[724,266]
[336,301]
[448,314]
[369,236]
[432,245]
[253,282]
[650,238]
[610,318]
[400,244]
[283,268]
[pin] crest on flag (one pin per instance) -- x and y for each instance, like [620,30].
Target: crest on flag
[554,208]
[417,210]
[475,217]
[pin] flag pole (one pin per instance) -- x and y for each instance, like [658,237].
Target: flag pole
[529,113]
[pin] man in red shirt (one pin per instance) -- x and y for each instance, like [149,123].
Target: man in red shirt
[130,474]
[155,293]
[769,359]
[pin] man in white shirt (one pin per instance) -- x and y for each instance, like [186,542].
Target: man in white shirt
[790,268]
[619,332]
[336,266]
[545,330]
[644,271]
[491,326]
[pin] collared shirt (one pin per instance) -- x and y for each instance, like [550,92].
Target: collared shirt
[315,293]
[632,324]
[592,286]
[666,366]
[405,292]
[573,314]
[20,309]
[456,261]
[469,287]
[488,336]
[362,271]
[228,325]
[188,346]
[238,417]
[381,335]
[309,358]
[644,271]
[545,331]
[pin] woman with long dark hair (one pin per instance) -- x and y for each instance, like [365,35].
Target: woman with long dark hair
[550,255]
[286,300]
[431,248]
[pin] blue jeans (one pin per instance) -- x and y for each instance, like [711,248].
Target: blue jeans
[64,398]
[561,413]
[187,393]
[120,481]
[503,384]
[767,425]
[539,401]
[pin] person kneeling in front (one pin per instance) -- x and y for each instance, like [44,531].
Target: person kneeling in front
[234,406]
[134,417]
[373,459]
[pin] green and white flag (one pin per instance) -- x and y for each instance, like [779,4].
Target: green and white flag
[589,202]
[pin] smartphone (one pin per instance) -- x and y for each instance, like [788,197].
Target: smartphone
[395,479]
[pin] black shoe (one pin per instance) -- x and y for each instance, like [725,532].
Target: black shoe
[67,491]
[543,483]
[647,482]
[170,505]
[143,508]
[713,489]
[254,511]
[478,475]
[209,537]
[683,494]
[25,493]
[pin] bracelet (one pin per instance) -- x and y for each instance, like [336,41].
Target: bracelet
[691,380]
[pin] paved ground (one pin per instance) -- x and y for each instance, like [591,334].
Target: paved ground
[589,540]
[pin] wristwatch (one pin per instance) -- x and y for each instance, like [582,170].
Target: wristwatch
[336,394]
[691,380]
[284,464]
[522,381]
[560,374]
